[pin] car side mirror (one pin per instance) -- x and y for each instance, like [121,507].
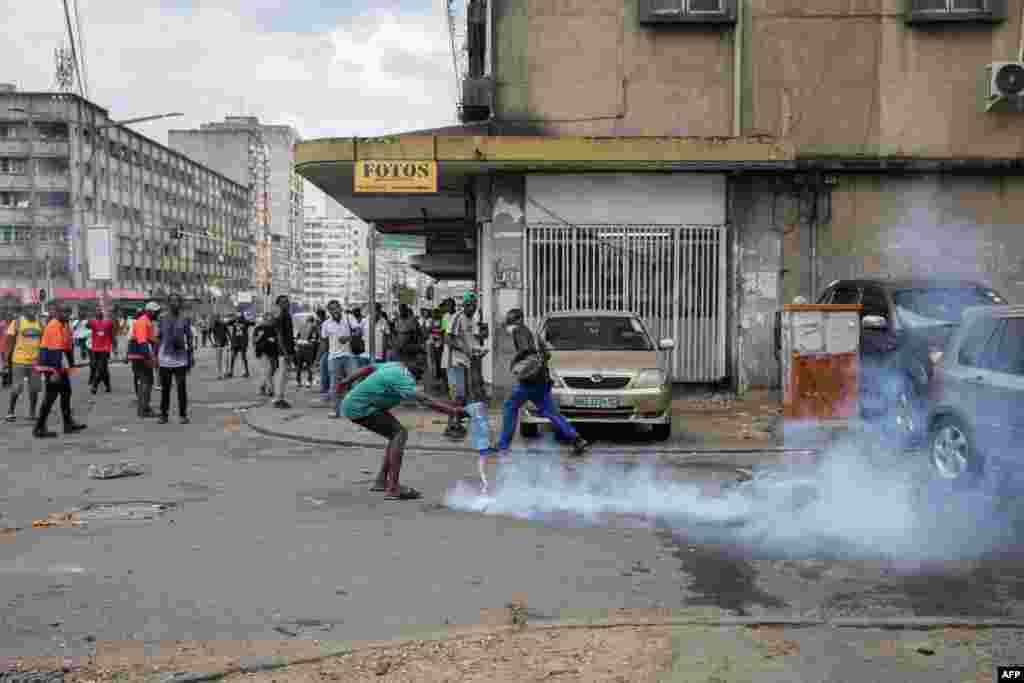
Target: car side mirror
[874,322]
[666,344]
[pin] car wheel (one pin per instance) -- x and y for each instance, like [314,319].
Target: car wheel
[529,431]
[952,451]
[661,432]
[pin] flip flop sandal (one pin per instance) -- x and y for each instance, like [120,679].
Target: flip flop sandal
[405,493]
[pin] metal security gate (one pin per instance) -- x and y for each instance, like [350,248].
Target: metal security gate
[673,277]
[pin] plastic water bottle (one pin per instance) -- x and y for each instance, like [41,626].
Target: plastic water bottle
[479,427]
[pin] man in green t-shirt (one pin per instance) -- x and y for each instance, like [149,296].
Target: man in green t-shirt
[380,388]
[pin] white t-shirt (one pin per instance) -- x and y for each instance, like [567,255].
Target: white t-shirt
[334,331]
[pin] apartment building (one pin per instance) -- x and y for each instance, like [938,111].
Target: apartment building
[334,258]
[703,162]
[260,157]
[66,165]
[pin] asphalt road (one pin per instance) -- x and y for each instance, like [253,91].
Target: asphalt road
[266,539]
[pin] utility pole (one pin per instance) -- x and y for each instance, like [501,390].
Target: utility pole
[371,238]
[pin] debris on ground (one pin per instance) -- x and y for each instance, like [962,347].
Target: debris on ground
[115,470]
[59,519]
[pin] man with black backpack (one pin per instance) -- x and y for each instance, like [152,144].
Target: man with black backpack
[533,383]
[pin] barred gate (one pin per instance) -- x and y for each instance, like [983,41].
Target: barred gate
[672,276]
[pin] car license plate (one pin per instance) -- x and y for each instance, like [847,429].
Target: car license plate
[596,402]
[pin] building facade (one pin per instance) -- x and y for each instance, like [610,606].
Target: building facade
[260,157]
[702,163]
[334,258]
[65,165]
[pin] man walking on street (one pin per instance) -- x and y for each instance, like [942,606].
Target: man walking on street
[56,362]
[176,353]
[382,387]
[103,344]
[264,341]
[219,332]
[238,330]
[286,344]
[142,354]
[533,383]
[464,348]
[23,338]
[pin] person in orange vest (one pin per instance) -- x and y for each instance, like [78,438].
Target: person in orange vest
[56,362]
[142,354]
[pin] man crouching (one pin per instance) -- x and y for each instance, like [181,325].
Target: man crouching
[380,388]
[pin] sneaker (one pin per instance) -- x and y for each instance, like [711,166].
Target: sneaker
[11,417]
[185,420]
[162,419]
[44,434]
[74,427]
[282,404]
[94,390]
[246,375]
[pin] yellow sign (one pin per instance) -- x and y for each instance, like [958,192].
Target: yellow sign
[396,176]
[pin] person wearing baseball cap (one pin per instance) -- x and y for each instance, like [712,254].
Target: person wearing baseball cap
[142,354]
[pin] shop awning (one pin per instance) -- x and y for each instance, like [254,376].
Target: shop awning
[330,163]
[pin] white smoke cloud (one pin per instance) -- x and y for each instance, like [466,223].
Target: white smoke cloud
[861,501]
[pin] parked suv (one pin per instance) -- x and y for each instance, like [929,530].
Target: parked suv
[977,415]
[905,325]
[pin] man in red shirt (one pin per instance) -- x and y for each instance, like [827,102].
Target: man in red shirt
[103,343]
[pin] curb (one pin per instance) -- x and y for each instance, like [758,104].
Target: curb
[443,448]
[252,664]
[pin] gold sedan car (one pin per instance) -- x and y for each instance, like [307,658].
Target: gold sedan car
[605,369]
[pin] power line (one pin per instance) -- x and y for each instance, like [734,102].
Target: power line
[81,43]
[74,52]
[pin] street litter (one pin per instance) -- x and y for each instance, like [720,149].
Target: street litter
[113,471]
[59,519]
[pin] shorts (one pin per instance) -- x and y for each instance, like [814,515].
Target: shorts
[383,423]
[19,373]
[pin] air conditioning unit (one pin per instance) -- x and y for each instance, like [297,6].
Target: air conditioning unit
[1005,91]
[476,99]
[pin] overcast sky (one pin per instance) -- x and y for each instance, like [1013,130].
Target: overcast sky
[343,71]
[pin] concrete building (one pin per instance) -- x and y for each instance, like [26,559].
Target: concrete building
[66,165]
[703,163]
[334,256]
[260,157]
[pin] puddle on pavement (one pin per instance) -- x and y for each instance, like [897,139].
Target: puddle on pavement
[721,577]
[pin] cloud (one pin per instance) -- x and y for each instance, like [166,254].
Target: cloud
[368,74]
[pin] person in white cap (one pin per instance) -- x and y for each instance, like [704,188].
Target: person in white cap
[142,354]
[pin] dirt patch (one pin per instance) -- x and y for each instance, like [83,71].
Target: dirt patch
[752,418]
[772,641]
[510,655]
[619,655]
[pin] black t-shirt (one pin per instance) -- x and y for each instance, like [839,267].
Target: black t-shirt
[265,339]
[239,331]
[286,333]
[220,333]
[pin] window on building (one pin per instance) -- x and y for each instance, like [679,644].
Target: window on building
[54,200]
[52,131]
[12,166]
[930,11]
[53,167]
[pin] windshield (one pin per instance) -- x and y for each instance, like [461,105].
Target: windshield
[938,306]
[597,334]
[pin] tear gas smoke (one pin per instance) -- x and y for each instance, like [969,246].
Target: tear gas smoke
[861,501]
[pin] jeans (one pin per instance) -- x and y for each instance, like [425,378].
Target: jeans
[457,381]
[178,375]
[282,377]
[56,386]
[341,368]
[101,369]
[540,396]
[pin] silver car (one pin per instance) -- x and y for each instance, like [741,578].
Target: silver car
[976,420]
